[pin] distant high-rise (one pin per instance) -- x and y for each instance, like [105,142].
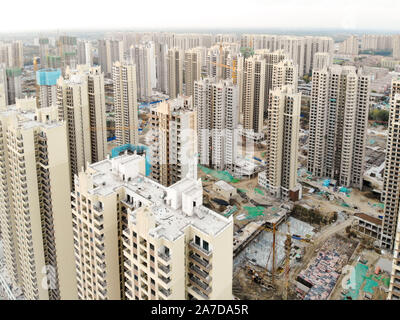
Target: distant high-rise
[192,69]
[3,86]
[322,60]
[110,51]
[217,107]
[173,140]
[46,79]
[125,103]
[12,54]
[85,53]
[43,51]
[396,47]
[252,92]
[141,57]
[175,59]
[283,126]
[14,84]
[162,67]
[350,46]
[338,124]
[35,214]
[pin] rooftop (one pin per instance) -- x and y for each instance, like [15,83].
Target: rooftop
[164,203]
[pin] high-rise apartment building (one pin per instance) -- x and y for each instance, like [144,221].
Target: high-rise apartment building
[217,107]
[283,126]
[322,60]
[192,69]
[175,58]
[12,54]
[43,52]
[161,51]
[110,51]
[391,182]
[14,84]
[396,46]
[85,55]
[390,237]
[35,214]
[81,104]
[252,92]
[338,124]
[125,103]
[173,140]
[136,239]
[46,79]
[141,58]
[3,86]
[350,46]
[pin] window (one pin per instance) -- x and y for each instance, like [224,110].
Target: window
[197,240]
[205,245]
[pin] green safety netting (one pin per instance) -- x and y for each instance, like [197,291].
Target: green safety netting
[220,175]
[242,190]
[253,212]
[258,191]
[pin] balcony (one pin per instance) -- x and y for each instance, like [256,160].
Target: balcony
[200,273]
[206,265]
[200,250]
[198,291]
[164,269]
[163,279]
[200,285]
[166,293]
[164,256]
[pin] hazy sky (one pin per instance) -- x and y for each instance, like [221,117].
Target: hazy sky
[22,15]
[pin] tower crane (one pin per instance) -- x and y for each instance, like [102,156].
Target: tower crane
[288,245]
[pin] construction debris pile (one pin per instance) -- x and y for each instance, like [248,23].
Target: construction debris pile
[319,279]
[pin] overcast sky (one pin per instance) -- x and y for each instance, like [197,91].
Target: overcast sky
[22,15]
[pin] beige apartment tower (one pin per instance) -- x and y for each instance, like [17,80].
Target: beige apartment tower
[338,124]
[283,127]
[217,107]
[173,140]
[175,59]
[125,103]
[35,214]
[192,70]
[149,241]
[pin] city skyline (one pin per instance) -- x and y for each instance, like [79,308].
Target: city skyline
[304,14]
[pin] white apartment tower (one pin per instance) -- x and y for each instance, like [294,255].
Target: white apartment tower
[125,103]
[338,124]
[283,127]
[175,59]
[217,107]
[192,69]
[35,214]
[149,241]
[173,140]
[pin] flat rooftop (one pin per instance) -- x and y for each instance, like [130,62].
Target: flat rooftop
[171,223]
